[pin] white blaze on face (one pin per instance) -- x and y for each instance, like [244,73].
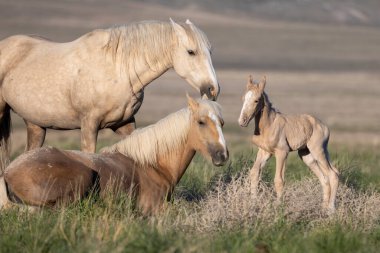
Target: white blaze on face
[219,129]
[247,100]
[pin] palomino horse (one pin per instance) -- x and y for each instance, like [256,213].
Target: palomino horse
[278,134]
[149,162]
[96,81]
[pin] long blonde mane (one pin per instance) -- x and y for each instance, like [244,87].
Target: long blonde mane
[147,42]
[145,145]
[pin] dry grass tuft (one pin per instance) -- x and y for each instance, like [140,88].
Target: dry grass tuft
[232,206]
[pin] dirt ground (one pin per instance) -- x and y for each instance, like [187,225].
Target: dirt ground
[330,70]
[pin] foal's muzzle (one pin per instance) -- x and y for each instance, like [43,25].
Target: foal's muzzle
[244,120]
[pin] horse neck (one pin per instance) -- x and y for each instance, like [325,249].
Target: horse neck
[141,65]
[265,117]
[175,163]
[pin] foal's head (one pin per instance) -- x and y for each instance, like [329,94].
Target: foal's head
[253,101]
[192,59]
[206,133]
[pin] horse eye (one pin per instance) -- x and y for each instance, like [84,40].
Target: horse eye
[201,123]
[256,101]
[191,52]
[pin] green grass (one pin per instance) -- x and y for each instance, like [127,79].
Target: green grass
[111,225]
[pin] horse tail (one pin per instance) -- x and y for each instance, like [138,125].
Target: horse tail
[5,132]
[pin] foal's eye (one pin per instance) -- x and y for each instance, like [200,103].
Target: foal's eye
[191,52]
[256,101]
[201,123]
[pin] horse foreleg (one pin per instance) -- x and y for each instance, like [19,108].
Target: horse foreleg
[35,136]
[125,129]
[89,135]
[254,175]
[280,172]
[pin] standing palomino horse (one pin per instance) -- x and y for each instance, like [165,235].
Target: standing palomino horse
[147,164]
[278,134]
[96,81]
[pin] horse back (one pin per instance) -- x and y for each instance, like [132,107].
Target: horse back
[15,49]
[48,175]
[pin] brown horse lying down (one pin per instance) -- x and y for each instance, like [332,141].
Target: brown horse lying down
[147,164]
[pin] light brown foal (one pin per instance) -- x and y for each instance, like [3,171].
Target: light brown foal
[278,134]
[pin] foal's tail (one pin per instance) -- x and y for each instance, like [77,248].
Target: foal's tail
[5,132]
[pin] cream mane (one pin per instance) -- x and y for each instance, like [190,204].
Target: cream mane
[147,144]
[148,42]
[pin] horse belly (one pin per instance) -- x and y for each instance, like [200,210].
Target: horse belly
[47,177]
[123,113]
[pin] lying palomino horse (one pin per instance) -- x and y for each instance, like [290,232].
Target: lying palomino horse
[96,81]
[147,164]
[278,134]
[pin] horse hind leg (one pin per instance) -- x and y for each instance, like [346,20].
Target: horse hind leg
[4,200]
[320,153]
[334,176]
[310,162]
[35,136]
[5,131]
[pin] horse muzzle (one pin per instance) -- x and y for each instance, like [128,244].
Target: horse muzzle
[244,121]
[210,91]
[220,157]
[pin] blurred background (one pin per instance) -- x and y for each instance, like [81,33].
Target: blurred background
[320,56]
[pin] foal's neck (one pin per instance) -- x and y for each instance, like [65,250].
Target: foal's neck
[265,117]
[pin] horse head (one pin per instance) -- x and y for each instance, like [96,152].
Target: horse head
[206,133]
[192,59]
[253,101]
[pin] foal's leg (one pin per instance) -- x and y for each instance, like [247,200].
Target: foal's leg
[320,155]
[334,179]
[254,175]
[89,135]
[309,160]
[280,172]
[125,129]
[35,135]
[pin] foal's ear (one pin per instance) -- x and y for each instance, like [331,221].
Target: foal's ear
[262,83]
[192,103]
[179,31]
[250,82]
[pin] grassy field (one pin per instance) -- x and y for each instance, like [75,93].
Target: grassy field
[320,57]
[212,211]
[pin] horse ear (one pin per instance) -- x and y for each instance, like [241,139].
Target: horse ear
[192,103]
[249,82]
[263,83]
[188,22]
[179,31]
